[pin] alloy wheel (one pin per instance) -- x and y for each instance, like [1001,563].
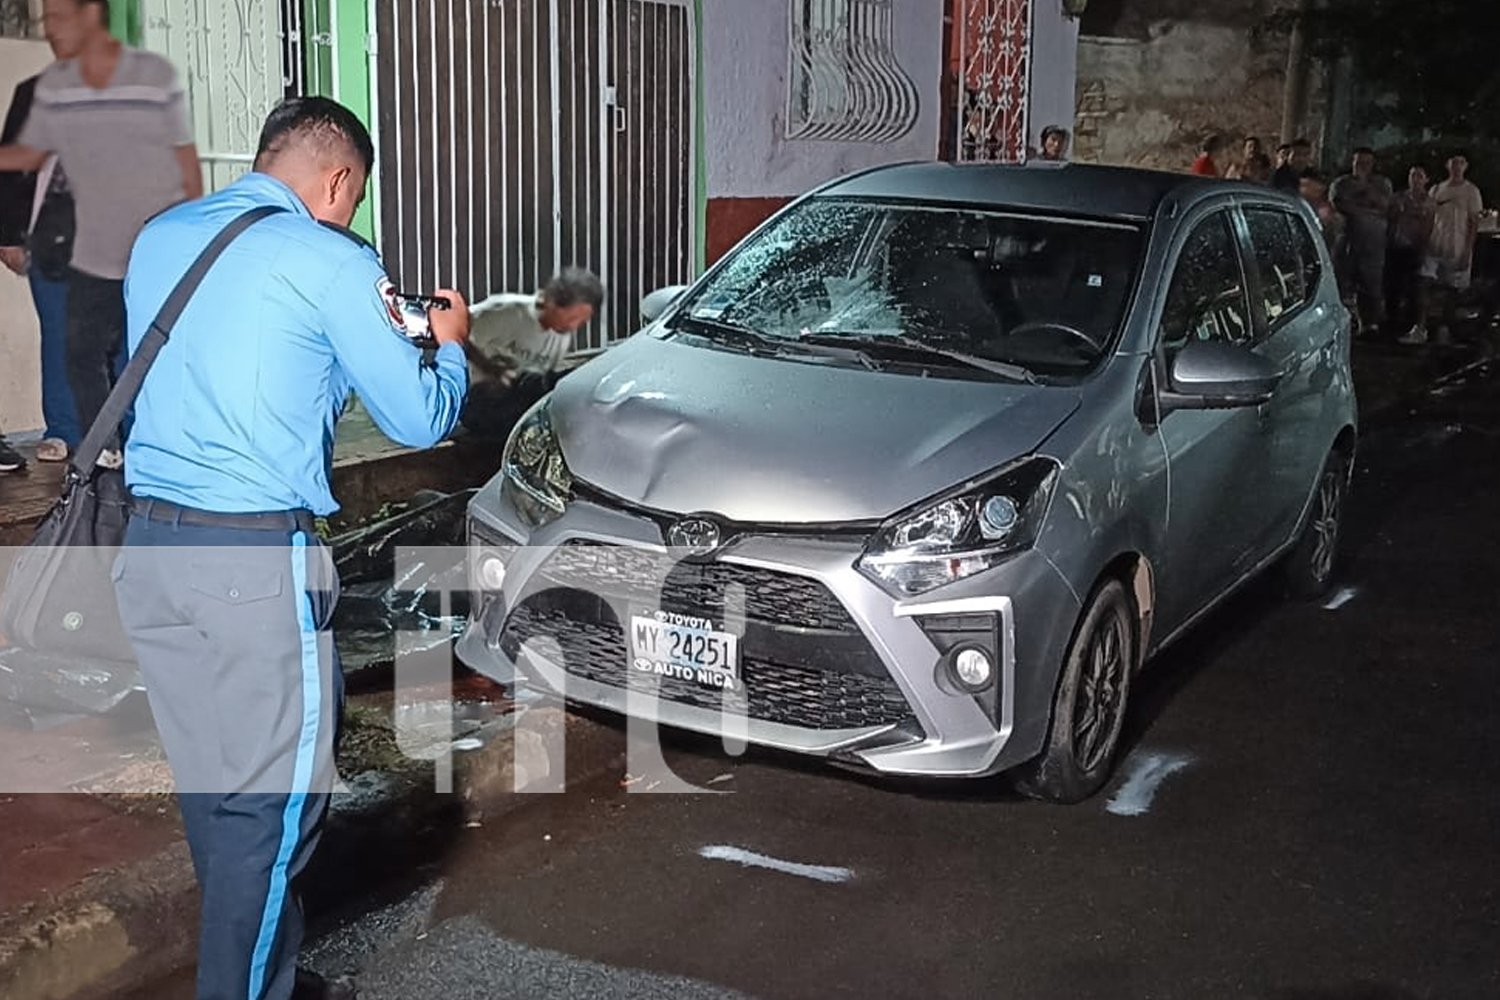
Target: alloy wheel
[1327,523]
[1101,694]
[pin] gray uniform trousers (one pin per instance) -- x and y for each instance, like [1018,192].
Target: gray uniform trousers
[230,625]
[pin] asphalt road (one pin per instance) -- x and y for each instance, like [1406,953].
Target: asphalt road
[1310,810]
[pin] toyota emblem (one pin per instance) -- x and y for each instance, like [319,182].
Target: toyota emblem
[698,536]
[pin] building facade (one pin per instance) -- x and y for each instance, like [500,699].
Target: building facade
[640,138]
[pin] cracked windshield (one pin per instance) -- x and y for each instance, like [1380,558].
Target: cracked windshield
[907,284]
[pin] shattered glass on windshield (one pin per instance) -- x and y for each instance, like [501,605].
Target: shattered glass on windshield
[1047,295]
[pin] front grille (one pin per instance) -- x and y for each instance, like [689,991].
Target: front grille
[772,692]
[709,590]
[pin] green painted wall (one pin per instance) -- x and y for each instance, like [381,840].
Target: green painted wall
[341,71]
[125,21]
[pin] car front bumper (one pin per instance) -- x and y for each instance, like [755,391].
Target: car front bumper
[832,665]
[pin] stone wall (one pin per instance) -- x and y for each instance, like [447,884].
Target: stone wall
[1149,102]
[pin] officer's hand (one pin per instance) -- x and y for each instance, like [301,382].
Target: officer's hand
[14,258]
[451,325]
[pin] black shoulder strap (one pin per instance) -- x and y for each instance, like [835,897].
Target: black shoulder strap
[349,235]
[122,396]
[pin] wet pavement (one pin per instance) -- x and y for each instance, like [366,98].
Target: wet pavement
[1308,811]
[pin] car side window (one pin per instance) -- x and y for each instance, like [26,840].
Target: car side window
[1308,243]
[1207,300]
[1278,259]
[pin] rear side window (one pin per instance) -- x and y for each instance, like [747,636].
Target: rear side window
[1278,259]
[1206,300]
[1307,253]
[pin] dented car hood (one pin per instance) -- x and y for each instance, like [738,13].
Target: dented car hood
[687,429]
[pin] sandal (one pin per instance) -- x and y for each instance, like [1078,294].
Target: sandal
[52,450]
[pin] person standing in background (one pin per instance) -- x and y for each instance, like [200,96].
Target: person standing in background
[1457,206]
[1211,156]
[36,242]
[1367,200]
[1411,232]
[1293,160]
[1055,140]
[116,117]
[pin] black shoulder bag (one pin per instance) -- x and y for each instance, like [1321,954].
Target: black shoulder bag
[59,598]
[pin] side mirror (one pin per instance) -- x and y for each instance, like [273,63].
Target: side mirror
[1210,376]
[653,305]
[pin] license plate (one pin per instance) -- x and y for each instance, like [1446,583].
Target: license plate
[685,648]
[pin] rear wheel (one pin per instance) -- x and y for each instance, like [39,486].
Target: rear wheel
[1309,567]
[1088,710]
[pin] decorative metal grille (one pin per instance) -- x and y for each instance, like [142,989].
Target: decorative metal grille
[237,58]
[18,20]
[994,79]
[845,82]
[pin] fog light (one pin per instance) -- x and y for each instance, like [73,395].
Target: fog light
[491,572]
[973,668]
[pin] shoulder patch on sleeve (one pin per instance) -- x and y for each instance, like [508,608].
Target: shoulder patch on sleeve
[393,311]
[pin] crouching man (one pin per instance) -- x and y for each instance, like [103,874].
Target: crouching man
[517,344]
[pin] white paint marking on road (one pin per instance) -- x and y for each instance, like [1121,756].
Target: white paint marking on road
[750,859]
[1148,772]
[1342,598]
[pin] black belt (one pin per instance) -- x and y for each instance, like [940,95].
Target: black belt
[152,509]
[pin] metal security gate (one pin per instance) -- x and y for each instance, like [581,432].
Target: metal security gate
[990,80]
[520,136]
[237,59]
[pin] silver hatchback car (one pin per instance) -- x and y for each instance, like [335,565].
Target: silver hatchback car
[918,476]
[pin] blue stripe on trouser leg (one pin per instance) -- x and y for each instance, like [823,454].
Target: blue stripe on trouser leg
[302,775]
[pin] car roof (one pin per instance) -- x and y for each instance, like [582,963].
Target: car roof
[1071,188]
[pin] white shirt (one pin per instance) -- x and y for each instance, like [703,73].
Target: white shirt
[507,330]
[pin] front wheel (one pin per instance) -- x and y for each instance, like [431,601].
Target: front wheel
[1309,567]
[1088,710]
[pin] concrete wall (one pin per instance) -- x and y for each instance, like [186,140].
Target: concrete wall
[1150,101]
[1054,69]
[20,370]
[751,166]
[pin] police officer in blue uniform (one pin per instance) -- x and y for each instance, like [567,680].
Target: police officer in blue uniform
[223,586]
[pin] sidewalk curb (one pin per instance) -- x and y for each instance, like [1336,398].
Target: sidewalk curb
[125,928]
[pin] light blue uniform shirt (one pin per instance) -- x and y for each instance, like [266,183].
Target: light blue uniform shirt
[237,415]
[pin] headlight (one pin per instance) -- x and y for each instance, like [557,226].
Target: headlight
[961,535]
[533,464]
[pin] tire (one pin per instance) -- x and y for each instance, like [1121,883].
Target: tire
[1079,755]
[1309,568]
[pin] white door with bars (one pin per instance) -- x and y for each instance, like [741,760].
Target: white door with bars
[237,59]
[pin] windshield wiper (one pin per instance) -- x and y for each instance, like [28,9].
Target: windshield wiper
[747,340]
[888,347]
[730,334]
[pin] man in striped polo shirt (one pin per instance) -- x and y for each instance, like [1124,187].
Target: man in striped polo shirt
[117,119]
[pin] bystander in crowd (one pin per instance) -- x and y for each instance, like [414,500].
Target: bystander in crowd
[1213,157]
[36,242]
[116,118]
[1411,236]
[1055,141]
[1366,200]
[1449,261]
[1292,161]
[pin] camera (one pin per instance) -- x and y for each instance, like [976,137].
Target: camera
[414,316]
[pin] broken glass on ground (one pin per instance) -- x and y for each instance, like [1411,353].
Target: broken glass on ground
[375,607]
